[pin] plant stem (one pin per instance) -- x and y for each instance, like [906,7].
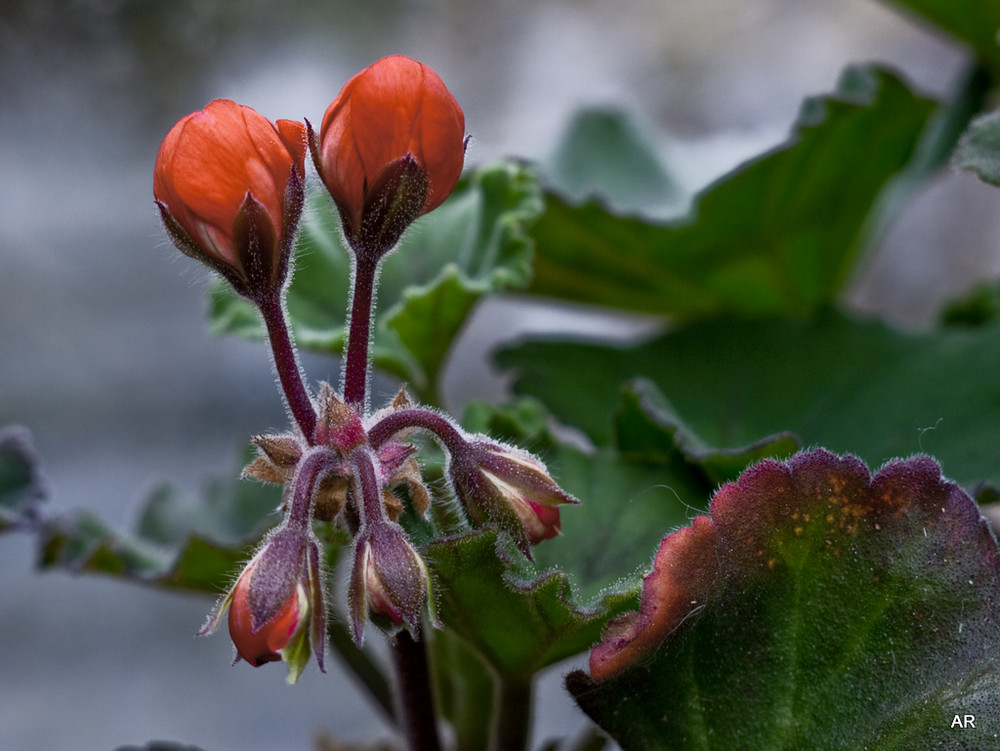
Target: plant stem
[310,471]
[287,365]
[513,714]
[417,711]
[359,332]
[416,417]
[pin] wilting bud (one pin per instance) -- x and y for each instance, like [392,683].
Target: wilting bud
[276,608]
[390,148]
[229,184]
[389,581]
[509,488]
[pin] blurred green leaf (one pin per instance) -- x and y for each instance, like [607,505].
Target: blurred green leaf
[21,490]
[832,381]
[979,148]
[780,234]
[975,22]
[474,244]
[842,611]
[179,542]
[605,153]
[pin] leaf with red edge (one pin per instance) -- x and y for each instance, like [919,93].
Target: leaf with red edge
[819,607]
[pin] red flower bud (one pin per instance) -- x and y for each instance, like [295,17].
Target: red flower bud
[229,184]
[390,149]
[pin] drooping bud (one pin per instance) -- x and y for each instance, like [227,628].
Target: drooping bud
[390,148]
[229,184]
[276,608]
[509,488]
[389,581]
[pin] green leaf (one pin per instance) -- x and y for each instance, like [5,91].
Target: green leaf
[21,488]
[518,625]
[647,427]
[178,542]
[764,239]
[472,245]
[979,148]
[832,381]
[975,22]
[604,153]
[844,611]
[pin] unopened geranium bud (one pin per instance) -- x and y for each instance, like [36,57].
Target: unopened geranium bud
[276,608]
[509,488]
[389,581]
[229,184]
[390,148]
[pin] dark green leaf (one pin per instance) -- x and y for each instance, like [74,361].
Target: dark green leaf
[832,381]
[841,611]
[975,22]
[979,148]
[648,428]
[21,489]
[763,239]
[472,245]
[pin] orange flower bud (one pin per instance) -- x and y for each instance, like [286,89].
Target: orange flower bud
[229,184]
[276,608]
[391,148]
[263,644]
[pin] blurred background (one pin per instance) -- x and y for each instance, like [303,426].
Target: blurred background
[104,352]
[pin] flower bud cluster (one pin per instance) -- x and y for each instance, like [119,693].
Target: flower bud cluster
[230,185]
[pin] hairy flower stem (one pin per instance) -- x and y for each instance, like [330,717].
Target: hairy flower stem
[307,477]
[415,417]
[286,363]
[364,279]
[418,714]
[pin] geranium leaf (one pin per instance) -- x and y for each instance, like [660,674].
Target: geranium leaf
[735,382]
[763,239]
[518,624]
[843,610]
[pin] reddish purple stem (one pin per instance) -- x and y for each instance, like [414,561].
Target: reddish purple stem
[359,332]
[287,365]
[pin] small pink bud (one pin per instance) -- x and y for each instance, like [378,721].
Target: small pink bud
[389,581]
[510,488]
